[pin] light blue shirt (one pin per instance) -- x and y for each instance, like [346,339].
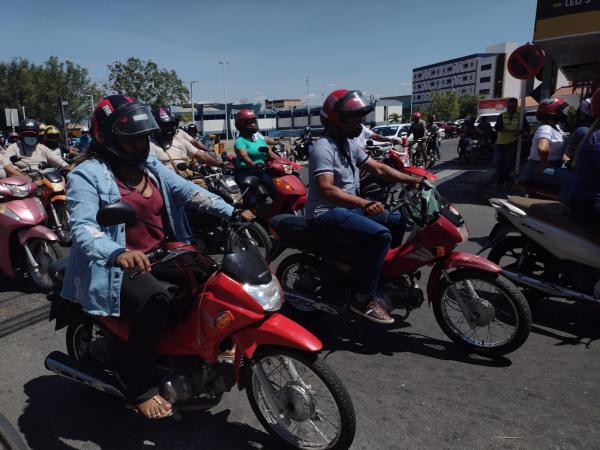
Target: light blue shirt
[91,278]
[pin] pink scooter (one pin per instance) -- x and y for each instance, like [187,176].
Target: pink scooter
[24,241]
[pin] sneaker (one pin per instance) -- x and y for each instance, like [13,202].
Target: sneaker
[374,311]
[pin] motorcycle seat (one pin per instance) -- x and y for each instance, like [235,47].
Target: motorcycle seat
[557,214]
[292,229]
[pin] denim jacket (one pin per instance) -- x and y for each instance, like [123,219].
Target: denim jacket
[92,279]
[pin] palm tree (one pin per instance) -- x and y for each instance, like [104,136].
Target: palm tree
[394,118]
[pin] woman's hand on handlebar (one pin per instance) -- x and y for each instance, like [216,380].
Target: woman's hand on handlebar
[133,258]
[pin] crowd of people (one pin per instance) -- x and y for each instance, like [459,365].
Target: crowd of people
[132,154]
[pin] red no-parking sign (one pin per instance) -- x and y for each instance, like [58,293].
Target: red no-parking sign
[526,62]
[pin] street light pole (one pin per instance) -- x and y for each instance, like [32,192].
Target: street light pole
[224,63]
[192,101]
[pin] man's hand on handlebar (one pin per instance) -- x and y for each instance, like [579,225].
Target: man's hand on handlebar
[373,208]
[133,258]
[246,215]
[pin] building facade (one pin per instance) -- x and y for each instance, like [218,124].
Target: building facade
[282,103]
[482,74]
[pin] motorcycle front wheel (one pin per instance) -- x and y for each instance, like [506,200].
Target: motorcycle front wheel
[253,236]
[63,216]
[313,410]
[44,253]
[502,318]
[298,273]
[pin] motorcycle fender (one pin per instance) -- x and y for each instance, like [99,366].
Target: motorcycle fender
[457,260]
[275,330]
[498,233]
[38,231]
[297,203]
[59,198]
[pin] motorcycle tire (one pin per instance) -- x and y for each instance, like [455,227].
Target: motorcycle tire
[10,439]
[512,296]
[312,287]
[45,253]
[512,247]
[63,216]
[304,404]
[77,338]
[255,236]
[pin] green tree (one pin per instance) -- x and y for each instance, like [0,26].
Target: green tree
[468,105]
[444,105]
[147,82]
[37,88]
[394,118]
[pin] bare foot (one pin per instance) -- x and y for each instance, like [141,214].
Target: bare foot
[155,408]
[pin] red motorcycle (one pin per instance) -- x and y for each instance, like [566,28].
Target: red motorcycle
[290,194]
[297,398]
[473,303]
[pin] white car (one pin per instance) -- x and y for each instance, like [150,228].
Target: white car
[490,117]
[396,130]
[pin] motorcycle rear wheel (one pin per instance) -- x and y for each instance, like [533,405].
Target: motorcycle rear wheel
[44,253]
[505,308]
[316,405]
[63,216]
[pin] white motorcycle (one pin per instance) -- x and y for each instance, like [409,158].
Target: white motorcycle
[542,248]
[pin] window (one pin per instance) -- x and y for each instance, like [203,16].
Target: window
[464,78]
[484,91]
[448,81]
[448,69]
[486,67]
[484,79]
[465,66]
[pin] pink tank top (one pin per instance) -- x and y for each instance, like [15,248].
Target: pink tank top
[140,236]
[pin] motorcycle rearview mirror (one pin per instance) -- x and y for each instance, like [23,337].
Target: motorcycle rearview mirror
[116,213]
[15,158]
[263,149]
[369,143]
[224,157]
[43,165]
[182,166]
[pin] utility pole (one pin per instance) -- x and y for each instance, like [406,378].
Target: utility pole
[224,63]
[192,101]
[307,96]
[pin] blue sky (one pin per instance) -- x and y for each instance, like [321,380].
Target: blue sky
[272,45]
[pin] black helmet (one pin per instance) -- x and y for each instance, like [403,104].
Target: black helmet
[29,129]
[121,116]
[167,123]
[192,130]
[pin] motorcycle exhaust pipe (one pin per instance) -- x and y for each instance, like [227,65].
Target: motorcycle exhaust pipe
[68,367]
[548,288]
[309,302]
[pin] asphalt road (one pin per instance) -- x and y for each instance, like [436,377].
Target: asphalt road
[411,387]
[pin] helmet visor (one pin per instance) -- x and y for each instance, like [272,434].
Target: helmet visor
[353,103]
[135,122]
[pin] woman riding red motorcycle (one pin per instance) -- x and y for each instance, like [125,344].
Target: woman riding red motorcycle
[116,167]
[249,149]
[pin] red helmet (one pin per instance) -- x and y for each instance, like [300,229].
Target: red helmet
[342,104]
[121,116]
[416,115]
[242,119]
[552,108]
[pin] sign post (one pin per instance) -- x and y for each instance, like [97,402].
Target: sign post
[523,64]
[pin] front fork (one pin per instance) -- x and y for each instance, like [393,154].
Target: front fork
[30,258]
[464,304]
[57,223]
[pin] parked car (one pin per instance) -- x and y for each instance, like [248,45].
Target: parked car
[392,130]
[490,117]
[450,129]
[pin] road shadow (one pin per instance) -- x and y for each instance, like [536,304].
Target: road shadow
[21,283]
[553,317]
[60,414]
[358,336]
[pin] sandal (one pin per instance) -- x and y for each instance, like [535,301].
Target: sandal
[159,401]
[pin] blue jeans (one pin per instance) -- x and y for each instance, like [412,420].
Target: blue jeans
[504,161]
[553,175]
[264,179]
[359,240]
